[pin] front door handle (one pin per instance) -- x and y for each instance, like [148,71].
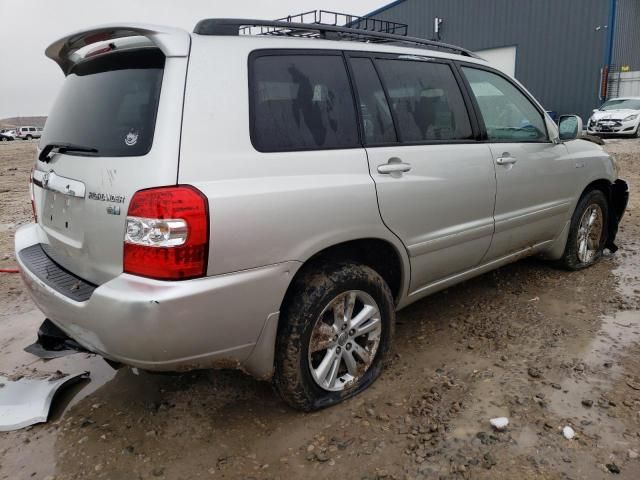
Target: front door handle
[506,159]
[394,166]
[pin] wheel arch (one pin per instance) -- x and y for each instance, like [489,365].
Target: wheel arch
[616,193]
[390,260]
[381,255]
[601,184]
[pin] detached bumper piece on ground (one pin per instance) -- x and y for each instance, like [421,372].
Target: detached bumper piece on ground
[27,401]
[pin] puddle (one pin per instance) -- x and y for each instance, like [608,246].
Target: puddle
[600,361]
[582,398]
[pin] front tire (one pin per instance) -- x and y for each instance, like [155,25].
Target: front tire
[588,232]
[335,334]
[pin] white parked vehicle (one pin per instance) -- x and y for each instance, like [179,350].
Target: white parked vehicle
[28,133]
[618,116]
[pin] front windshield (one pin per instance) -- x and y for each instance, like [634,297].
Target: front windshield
[621,103]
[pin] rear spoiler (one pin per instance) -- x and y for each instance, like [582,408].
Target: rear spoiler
[173,42]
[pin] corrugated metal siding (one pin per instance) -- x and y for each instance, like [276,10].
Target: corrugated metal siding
[627,40]
[560,50]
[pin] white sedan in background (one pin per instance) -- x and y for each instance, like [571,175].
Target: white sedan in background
[618,116]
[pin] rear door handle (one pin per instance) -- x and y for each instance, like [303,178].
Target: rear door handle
[394,165]
[506,159]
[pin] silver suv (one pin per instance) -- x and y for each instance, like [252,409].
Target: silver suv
[224,199]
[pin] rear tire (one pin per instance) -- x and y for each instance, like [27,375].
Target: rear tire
[28,137]
[588,232]
[323,354]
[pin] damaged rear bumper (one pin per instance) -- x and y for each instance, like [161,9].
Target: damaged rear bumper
[167,326]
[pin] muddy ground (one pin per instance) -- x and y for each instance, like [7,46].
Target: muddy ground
[544,347]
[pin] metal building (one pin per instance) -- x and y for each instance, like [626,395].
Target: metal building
[557,48]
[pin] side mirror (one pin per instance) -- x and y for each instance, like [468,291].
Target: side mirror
[595,110]
[570,127]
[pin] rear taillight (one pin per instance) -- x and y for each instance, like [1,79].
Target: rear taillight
[33,197]
[167,233]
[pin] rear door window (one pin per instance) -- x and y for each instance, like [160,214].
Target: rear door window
[426,101]
[301,102]
[374,109]
[109,103]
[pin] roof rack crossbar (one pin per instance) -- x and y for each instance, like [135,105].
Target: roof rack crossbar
[243,26]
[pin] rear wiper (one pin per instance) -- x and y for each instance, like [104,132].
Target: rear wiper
[62,148]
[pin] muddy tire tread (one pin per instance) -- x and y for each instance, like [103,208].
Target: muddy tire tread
[301,308]
[569,259]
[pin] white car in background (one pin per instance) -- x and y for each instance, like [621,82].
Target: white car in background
[618,116]
[28,133]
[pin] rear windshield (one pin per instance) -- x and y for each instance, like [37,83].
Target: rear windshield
[109,104]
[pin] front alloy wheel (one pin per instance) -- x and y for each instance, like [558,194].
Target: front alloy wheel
[587,231]
[589,238]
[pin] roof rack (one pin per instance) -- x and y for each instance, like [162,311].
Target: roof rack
[328,17]
[243,26]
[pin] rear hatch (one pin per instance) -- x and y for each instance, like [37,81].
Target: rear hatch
[113,130]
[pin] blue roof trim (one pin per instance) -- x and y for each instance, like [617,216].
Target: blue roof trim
[383,8]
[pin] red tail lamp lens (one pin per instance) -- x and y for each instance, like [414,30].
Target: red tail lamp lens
[167,234]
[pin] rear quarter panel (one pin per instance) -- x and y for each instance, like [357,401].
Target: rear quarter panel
[265,208]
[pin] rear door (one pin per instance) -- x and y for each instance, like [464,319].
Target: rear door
[435,182]
[127,106]
[533,174]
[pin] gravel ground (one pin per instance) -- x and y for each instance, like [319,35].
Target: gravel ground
[543,347]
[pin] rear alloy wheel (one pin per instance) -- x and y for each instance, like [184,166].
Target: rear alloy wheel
[344,340]
[588,231]
[28,137]
[335,334]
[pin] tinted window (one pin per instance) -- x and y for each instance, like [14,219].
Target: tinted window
[376,116]
[301,103]
[109,103]
[426,101]
[508,114]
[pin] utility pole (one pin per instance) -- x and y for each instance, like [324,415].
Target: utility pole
[608,51]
